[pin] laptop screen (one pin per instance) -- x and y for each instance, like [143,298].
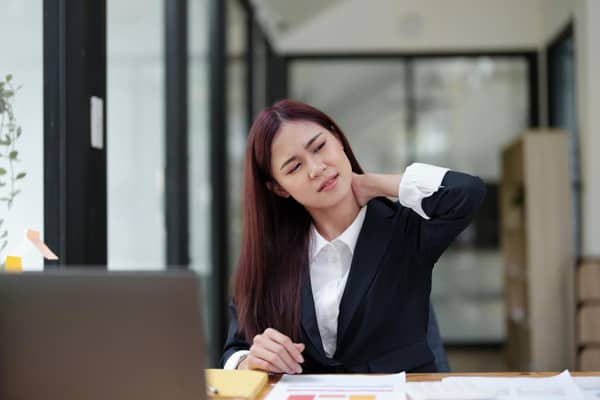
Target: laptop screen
[101,335]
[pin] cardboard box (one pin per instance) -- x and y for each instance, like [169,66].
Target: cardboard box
[589,359]
[588,324]
[588,280]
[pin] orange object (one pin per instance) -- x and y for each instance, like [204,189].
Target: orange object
[34,237]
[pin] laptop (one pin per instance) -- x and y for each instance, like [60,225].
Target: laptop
[76,335]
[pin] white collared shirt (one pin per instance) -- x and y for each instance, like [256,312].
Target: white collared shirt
[329,268]
[330,261]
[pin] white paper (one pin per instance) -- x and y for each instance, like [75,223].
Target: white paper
[97,122]
[339,387]
[559,387]
[590,385]
[448,391]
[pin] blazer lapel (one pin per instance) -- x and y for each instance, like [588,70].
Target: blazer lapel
[372,244]
[309,316]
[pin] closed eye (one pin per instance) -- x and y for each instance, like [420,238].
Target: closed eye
[320,147]
[295,168]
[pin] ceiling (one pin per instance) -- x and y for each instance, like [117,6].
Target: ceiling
[281,16]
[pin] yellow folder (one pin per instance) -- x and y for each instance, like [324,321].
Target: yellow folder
[235,383]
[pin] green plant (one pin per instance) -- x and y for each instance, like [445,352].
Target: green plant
[10,132]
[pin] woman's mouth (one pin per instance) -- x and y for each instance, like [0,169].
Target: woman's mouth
[329,184]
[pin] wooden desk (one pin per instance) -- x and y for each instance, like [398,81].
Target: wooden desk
[437,377]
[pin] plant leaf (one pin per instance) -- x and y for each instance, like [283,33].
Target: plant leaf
[5,234]
[13,155]
[21,175]
[19,131]
[2,171]
[8,77]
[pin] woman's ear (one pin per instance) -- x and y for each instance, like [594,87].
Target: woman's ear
[277,189]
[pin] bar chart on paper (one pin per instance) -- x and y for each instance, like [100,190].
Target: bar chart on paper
[338,387]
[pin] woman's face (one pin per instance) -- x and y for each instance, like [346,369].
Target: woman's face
[308,163]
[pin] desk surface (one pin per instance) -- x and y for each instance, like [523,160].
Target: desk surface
[438,376]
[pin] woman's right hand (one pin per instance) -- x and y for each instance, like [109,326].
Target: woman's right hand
[273,351]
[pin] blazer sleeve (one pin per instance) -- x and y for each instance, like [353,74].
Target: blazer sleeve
[448,211]
[234,342]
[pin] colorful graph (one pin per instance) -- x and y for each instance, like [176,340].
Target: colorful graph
[330,396]
[338,387]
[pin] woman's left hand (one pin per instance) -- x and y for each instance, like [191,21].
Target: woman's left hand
[367,186]
[361,189]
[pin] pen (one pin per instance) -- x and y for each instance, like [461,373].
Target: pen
[212,389]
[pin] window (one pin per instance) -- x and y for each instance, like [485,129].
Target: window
[135,134]
[23,59]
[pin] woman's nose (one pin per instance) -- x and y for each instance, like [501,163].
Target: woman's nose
[317,169]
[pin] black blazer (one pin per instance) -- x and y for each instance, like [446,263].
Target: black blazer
[382,322]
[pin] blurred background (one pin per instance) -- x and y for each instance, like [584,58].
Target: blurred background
[152,178]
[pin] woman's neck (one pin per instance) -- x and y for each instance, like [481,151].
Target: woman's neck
[331,222]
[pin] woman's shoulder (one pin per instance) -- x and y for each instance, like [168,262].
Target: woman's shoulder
[385,207]
[384,204]
[392,211]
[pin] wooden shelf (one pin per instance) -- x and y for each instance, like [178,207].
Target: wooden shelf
[537,247]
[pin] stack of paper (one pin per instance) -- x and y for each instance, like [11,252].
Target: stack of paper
[590,385]
[559,387]
[339,387]
[383,387]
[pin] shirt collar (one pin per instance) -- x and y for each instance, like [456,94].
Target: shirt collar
[349,237]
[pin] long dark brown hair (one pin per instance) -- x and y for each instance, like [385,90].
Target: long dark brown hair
[275,242]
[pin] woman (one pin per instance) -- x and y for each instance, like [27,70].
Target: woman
[333,276]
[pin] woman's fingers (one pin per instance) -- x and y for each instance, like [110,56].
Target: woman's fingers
[280,351]
[275,352]
[269,341]
[271,358]
[257,363]
[286,342]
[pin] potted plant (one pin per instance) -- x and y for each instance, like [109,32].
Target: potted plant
[10,173]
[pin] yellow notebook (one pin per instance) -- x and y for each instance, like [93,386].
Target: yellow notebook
[236,383]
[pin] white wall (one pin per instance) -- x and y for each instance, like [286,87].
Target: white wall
[418,25]
[556,14]
[587,36]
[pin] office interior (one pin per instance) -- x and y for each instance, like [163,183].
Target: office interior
[150,177]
